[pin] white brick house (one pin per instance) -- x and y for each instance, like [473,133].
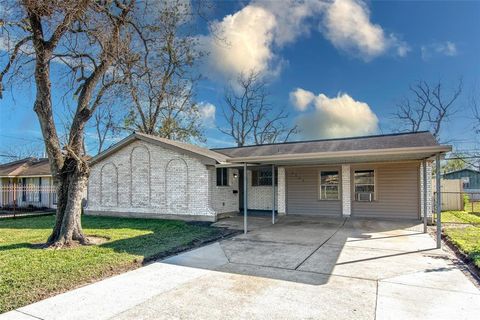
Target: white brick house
[373,176]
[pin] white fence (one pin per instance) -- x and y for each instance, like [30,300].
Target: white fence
[29,196]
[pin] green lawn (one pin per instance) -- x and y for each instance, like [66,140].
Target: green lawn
[28,274]
[465,235]
[467,240]
[460,217]
[471,206]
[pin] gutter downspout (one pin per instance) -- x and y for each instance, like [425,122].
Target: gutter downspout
[439,201]
[273,196]
[245,229]
[425,195]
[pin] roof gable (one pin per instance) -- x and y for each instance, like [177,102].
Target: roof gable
[206,156]
[25,168]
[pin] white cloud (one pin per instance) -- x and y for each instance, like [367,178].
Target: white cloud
[242,42]
[207,112]
[301,98]
[340,116]
[291,17]
[446,48]
[246,40]
[347,25]
[250,38]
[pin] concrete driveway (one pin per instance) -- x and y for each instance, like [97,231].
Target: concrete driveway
[299,268]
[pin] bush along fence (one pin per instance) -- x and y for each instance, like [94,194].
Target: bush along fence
[21,199]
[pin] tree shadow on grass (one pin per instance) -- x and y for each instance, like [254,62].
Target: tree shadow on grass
[161,237]
[13,246]
[158,244]
[94,222]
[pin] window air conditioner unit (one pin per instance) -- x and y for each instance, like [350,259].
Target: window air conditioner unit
[364,196]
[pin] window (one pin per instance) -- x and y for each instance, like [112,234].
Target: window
[263,177]
[33,195]
[222,177]
[329,185]
[365,185]
[466,182]
[53,189]
[24,189]
[40,189]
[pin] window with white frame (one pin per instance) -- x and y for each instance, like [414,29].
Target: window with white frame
[222,177]
[364,185]
[329,185]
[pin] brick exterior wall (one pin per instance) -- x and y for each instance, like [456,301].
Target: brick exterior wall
[429,190]
[223,198]
[346,191]
[259,197]
[145,180]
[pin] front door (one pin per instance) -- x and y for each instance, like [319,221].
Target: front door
[240,189]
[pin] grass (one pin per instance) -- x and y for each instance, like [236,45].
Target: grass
[471,206]
[460,217]
[29,274]
[463,230]
[467,240]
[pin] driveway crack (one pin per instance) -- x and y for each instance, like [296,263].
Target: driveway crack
[321,244]
[28,314]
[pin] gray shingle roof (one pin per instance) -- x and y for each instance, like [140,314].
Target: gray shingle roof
[26,167]
[388,141]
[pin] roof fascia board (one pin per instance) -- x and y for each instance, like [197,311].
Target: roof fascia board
[329,165]
[350,153]
[29,176]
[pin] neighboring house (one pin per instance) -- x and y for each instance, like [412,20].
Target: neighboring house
[373,176]
[27,183]
[470,179]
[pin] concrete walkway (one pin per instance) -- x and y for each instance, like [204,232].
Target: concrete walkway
[300,268]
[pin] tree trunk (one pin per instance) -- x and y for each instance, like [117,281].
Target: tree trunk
[71,184]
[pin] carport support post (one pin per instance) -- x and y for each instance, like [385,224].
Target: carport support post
[439,201]
[245,197]
[273,195]
[425,196]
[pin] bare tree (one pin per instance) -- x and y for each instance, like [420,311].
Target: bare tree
[475,111]
[90,40]
[161,83]
[428,108]
[249,116]
[21,151]
[106,125]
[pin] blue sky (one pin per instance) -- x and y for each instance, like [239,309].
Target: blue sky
[353,61]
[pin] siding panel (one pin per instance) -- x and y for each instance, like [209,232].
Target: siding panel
[303,192]
[397,191]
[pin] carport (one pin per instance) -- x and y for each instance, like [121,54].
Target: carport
[395,168]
